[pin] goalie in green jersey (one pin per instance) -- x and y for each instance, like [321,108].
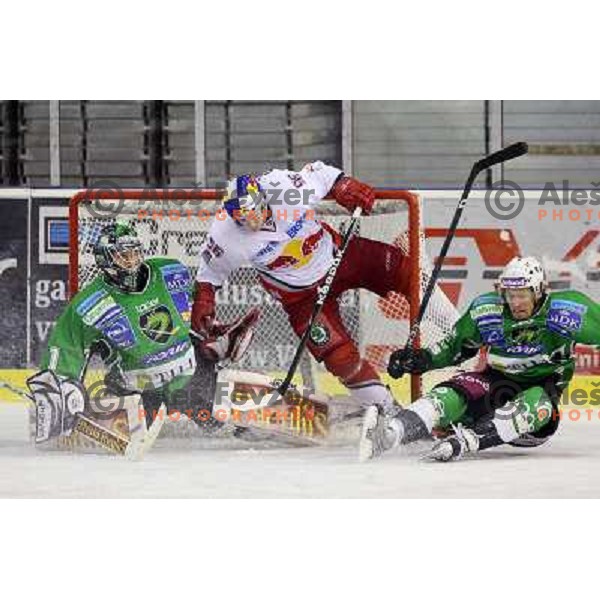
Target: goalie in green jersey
[136,316]
[529,334]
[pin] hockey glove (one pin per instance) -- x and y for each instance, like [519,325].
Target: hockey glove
[203,309]
[416,361]
[351,193]
[229,340]
[58,401]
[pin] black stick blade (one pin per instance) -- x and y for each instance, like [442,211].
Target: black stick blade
[508,153]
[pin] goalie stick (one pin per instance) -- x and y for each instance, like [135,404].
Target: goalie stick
[503,155]
[322,294]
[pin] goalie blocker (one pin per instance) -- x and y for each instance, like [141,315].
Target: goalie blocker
[65,418]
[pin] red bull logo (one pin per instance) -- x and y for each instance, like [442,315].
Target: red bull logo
[297,253]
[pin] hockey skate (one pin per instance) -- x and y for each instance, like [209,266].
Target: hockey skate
[455,446]
[381,432]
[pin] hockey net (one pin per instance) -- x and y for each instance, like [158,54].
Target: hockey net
[175,222]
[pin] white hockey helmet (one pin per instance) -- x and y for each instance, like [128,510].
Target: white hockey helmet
[524,272]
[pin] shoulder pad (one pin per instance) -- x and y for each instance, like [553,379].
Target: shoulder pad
[487,309]
[489,298]
[565,313]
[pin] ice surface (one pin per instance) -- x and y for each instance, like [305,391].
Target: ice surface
[565,467]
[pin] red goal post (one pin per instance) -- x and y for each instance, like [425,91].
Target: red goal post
[396,219]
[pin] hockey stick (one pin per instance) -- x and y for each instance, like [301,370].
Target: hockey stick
[322,294]
[508,153]
[15,390]
[133,448]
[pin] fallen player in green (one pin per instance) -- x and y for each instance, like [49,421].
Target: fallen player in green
[529,334]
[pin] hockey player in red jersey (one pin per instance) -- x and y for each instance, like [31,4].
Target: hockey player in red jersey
[292,251]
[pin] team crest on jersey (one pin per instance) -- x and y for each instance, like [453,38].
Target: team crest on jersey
[525,335]
[319,334]
[157,324]
[524,342]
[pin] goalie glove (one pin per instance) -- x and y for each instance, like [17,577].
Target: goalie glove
[58,401]
[228,341]
[351,193]
[409,360]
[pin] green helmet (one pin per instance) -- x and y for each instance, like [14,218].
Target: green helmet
[118,252]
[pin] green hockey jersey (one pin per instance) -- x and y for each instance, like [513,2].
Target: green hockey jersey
[144,336]
[526,350]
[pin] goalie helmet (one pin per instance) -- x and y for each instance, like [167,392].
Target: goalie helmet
[243,198]
[118,252]
[524,273]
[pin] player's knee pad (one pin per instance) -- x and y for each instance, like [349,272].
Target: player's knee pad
[449,403]
[532,409]
[345,362]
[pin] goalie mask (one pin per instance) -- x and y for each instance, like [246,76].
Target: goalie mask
[245,201]
[118,252]
[519,277]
